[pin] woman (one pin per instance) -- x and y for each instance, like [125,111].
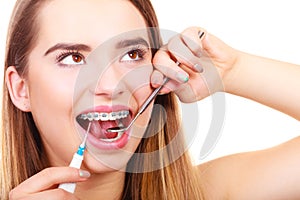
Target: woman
[47,46]
[43,60]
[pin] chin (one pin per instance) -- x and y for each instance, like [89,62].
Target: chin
[108,161]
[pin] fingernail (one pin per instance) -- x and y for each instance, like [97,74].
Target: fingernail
[156,80]
[182,77]
[198,68]
[84,174]
[200,34]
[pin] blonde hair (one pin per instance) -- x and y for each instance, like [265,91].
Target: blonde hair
[177,179]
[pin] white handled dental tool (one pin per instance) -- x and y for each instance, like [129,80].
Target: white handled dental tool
[76,162]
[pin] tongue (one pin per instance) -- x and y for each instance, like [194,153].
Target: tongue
[98,129]
[111,135]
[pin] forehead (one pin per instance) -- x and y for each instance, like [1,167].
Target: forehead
[87,21]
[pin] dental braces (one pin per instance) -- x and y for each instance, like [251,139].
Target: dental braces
[96,116]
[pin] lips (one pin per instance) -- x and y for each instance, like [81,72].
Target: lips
[102,118]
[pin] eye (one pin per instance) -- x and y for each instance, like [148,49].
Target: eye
[133,55]
[70,59]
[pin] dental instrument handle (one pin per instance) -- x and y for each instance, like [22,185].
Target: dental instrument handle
[152,96]
[143,107]
[76,163]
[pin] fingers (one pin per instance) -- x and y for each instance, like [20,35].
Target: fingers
[48,179]
[192,38]
[185,49]
[52,176]
[163,62]
[45,195]
[157,80]
[182,53]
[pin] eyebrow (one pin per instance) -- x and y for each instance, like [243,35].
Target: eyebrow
[68,46]
[83,47]
[131,42]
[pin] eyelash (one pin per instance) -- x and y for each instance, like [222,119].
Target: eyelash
[141,52]
[60,57]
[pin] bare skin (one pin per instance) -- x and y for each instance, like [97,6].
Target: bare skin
[254,175]
[266,174]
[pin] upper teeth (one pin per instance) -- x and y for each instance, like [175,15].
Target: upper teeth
[105,116]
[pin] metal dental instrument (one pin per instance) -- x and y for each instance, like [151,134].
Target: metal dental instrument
[149,99]
[76,162]
[142,109]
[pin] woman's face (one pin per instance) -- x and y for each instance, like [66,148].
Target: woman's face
[89,65]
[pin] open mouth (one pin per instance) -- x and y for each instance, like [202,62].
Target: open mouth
[100,122]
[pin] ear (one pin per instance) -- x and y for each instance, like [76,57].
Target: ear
[17,88]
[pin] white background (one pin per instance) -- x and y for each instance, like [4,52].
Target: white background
[263,27]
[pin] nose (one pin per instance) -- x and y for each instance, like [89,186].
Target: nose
[110,84]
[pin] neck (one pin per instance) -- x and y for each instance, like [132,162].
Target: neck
[107,186]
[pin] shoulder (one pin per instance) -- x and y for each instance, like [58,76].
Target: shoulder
[267,174]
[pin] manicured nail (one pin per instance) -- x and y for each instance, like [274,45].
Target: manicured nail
[198,68]
[182,77]
[200,34]
[156,80]
[84,174]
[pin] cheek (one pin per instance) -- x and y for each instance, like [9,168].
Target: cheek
[138,82]
[141,90]
[50,86]
[51,96]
